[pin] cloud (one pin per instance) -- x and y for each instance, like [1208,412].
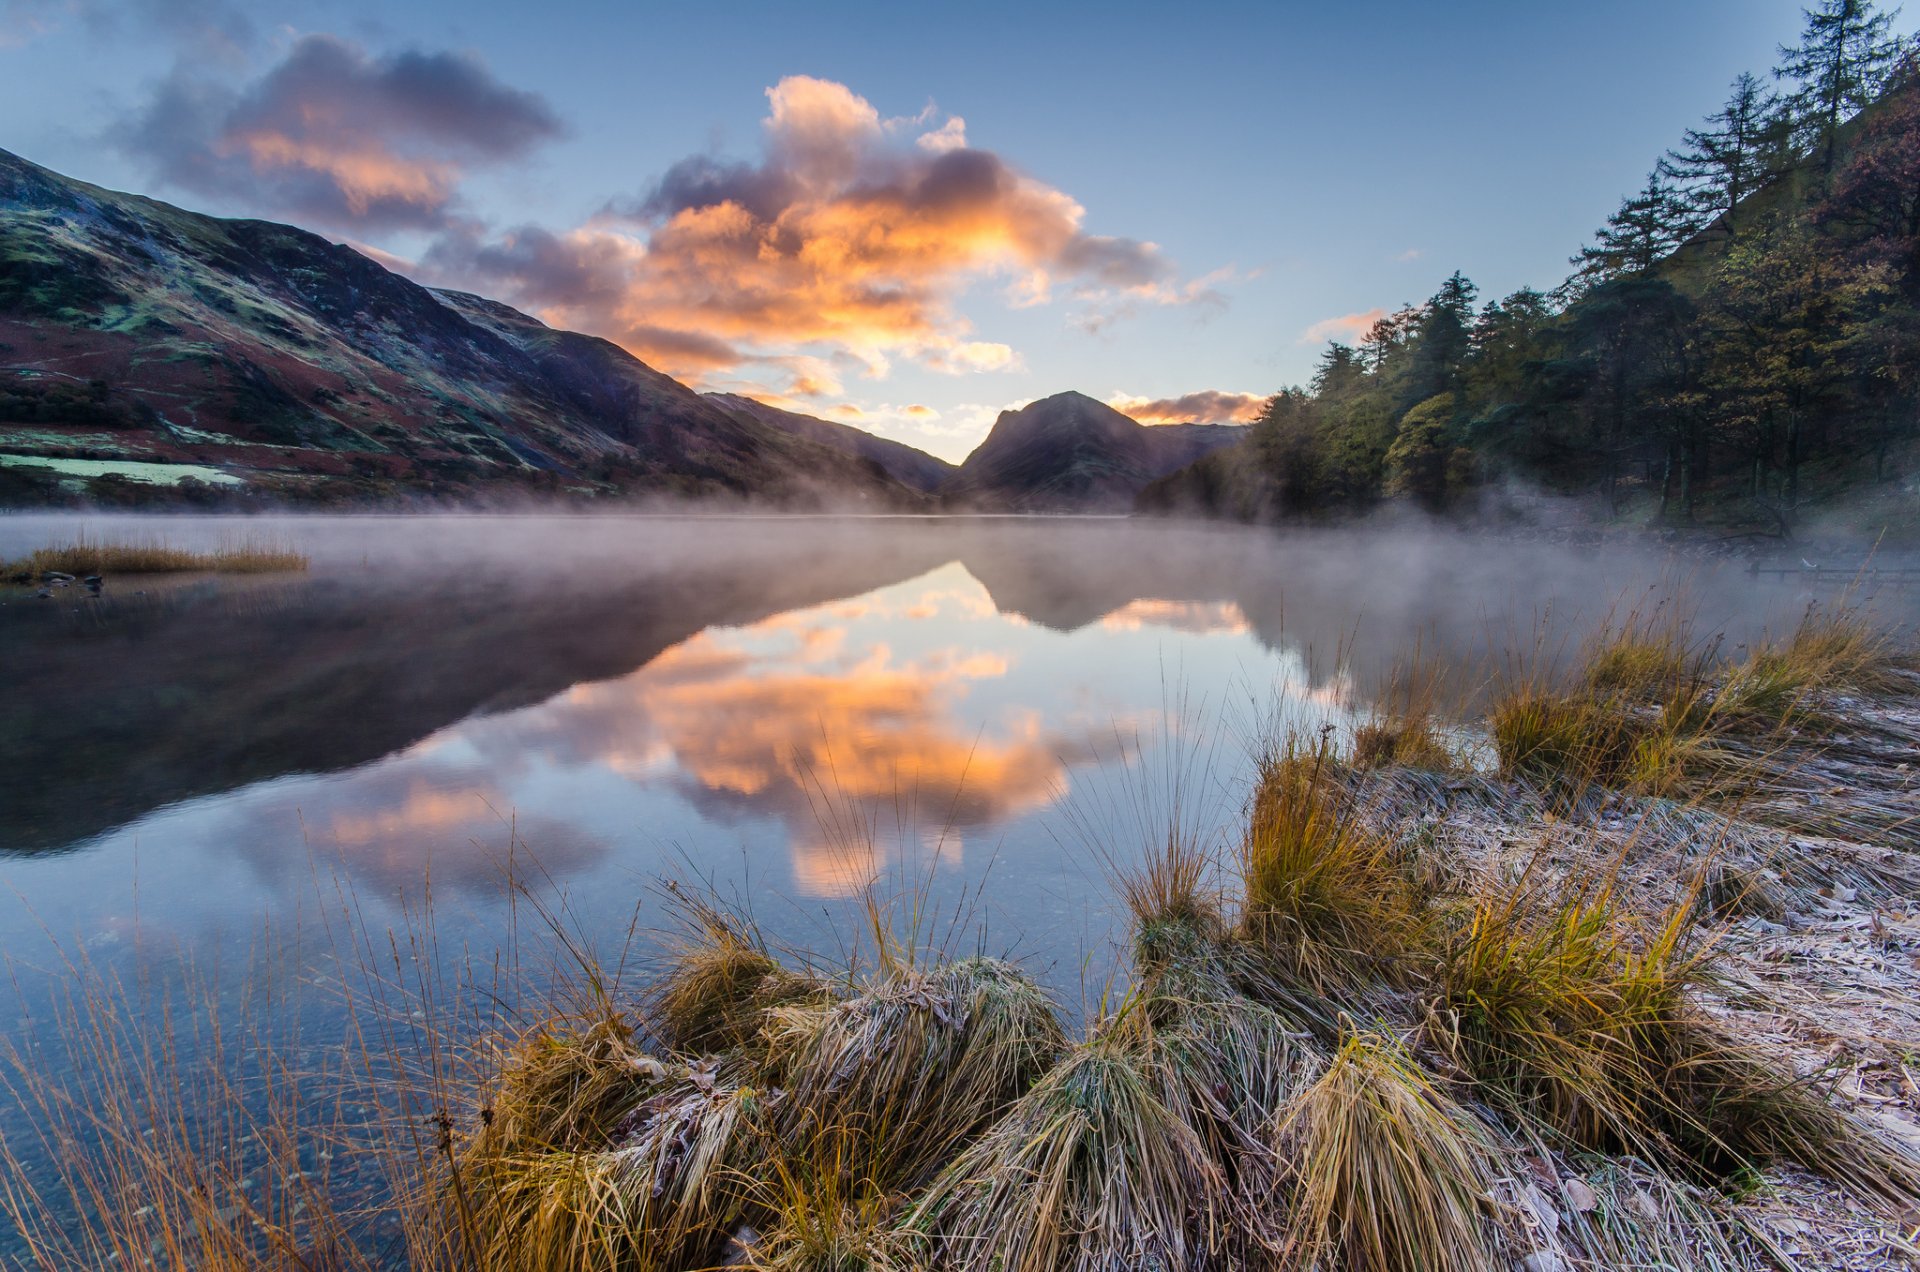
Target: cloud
[1208,406]
[213,29]
[337,136]
[842,239]
[1200,618]
[1347,328]
[951,135]
[1411,254]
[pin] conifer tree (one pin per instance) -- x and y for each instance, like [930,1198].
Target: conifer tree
[1742,146]
[1844,57]
[1647,227]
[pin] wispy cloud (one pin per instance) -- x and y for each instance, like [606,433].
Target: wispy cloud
[1346,328]
[1207,406]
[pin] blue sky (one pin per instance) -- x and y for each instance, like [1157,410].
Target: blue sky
[1142,202]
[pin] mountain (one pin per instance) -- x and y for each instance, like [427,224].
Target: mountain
[1070,453]
[142,346]
[903,463]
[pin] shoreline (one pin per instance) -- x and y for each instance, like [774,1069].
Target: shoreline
[762,1107]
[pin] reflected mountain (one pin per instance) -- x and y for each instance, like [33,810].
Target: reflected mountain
[137,701]
[719,649]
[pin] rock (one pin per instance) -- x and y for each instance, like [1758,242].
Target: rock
[1579,1196]
[55,576]
[44,594]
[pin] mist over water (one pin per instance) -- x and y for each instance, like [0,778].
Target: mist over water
[790,707]
[212,785]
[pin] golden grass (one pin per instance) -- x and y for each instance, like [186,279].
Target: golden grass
[566,1085]
[1322,895]
[1403,728]
[920,1062]
[665,1194]
[1088,1169]
[721,982]
[1388,1173]
[1557,1007]
[83,556]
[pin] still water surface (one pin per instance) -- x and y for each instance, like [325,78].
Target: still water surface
[998,711]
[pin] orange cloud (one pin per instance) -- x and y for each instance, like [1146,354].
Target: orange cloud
[844,742]
[1347,328]
[841,239]
[1198,617]
[1208,406]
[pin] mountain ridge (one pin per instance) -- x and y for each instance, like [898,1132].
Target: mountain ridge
[152,353]
[1072,452]
[135,335]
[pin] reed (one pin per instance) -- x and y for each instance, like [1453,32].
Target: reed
[84,556]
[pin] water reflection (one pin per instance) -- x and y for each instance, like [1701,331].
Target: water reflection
[802,704]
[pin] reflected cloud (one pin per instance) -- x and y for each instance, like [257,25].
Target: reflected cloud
[1201,618]
[407,821]
[818,720]
[844,756]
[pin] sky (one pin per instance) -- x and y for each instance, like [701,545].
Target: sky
[904,217]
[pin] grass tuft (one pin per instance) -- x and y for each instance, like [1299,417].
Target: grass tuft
[1089,1169]
[1388,1173]
[720,983]
[566,1085]
[1324,900]
[668,1193]
[921,1062]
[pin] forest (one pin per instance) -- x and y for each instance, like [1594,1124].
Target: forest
[1738,343]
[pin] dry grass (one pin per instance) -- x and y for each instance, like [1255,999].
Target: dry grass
[721,981]
[1323,897]
[920,1062]
[1090,1169]
[84,556]
[667,1195]
[566,1085]
[1560,1007]
[1404,727]
[1388,1174]
[1834,648]
[819,1213]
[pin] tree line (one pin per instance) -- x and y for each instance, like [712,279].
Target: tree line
[1740,337]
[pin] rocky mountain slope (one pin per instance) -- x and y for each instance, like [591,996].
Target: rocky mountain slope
[1070,453]
[903,463]
[144,347]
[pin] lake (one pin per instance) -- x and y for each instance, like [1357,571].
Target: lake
[981,719]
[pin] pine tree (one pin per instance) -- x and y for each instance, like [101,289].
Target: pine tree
[1444,340]
[1340,371]
[1843,58]
[1647,227]
[1743,146]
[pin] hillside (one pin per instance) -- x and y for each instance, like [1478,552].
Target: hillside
[1730,353]
[905,464]
[1069,452]
[143,348]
